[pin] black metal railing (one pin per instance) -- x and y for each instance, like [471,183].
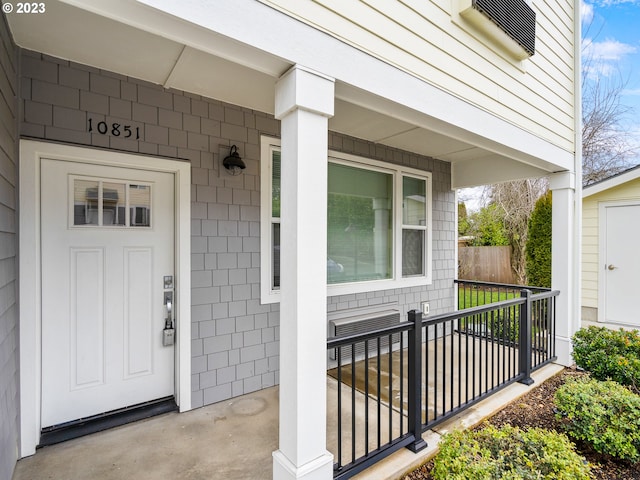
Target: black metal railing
[372,389]
[411,377]
[473,293]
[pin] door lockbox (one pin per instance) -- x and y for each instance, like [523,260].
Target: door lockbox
[168,336]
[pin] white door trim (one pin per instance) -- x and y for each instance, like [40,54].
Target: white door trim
[602,251]
[31,153]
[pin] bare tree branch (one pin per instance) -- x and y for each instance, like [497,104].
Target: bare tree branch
[608,145]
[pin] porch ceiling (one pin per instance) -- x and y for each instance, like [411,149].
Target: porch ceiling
[218,67]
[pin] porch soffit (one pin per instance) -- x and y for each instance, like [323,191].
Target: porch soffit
[197,60]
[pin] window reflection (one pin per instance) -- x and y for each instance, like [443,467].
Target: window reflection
[139,205]
[113,204]
[359,224]
[109,204]
[85,202]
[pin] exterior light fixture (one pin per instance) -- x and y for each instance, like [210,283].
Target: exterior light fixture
[233,163]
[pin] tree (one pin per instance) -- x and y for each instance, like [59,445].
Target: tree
[608,145]
[487,227]
[463,220]
[516,200]
[539,243]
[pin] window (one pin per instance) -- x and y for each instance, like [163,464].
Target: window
[359,226]
[414,225]
[378,224]
[101,203]
[275,218]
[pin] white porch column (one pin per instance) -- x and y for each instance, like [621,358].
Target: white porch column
[304,103]
[564,264]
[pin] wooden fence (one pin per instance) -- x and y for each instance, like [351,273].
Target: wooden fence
[485,264]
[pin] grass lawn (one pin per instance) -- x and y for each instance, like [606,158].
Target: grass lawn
[468,298]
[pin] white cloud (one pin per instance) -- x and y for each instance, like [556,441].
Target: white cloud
[472,198]
[602,58]
[586,13]
[609,50]
[610,3]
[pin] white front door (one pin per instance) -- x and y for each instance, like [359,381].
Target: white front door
[107,236]
[621,262]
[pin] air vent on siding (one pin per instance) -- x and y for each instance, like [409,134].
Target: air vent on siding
[360,324]
[514,17]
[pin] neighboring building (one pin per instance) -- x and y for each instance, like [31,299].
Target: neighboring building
[610,258]
[115,119]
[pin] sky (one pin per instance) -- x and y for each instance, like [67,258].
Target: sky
[611,36]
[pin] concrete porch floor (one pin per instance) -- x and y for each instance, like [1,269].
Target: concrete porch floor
[228,440]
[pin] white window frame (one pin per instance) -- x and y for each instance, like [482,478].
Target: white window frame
[405,226]
[270,295]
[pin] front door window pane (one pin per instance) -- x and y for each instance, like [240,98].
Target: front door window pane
[104,203]
[85,202]
[113,204]
[139,205]
[359,229]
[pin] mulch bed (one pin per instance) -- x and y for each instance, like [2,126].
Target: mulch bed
[535,409]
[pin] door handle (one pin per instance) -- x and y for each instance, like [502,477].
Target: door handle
[168,334]
[168,303]
[611,267]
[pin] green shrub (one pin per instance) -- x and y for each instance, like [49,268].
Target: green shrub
[609,354]
[508,453]
[604,414]
[500,326]
[539,243]
[487,226]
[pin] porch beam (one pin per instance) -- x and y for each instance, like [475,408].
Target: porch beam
[304,103]
[564,245]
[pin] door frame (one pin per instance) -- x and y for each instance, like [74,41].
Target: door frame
[30,287]
[602,252]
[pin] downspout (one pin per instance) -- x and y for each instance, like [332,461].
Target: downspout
[577,307]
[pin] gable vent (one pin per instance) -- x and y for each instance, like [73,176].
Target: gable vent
[513,17]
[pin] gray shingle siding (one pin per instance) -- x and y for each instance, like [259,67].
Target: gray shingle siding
[9,375]
[235,339]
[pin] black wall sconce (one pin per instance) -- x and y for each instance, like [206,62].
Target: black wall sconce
[232,162]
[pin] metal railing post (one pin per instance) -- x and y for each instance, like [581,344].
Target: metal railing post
[415,381]
[525,338]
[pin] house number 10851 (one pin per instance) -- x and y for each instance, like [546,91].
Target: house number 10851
[115,129]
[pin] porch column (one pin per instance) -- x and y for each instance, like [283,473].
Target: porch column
[304,103]
[564,264]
